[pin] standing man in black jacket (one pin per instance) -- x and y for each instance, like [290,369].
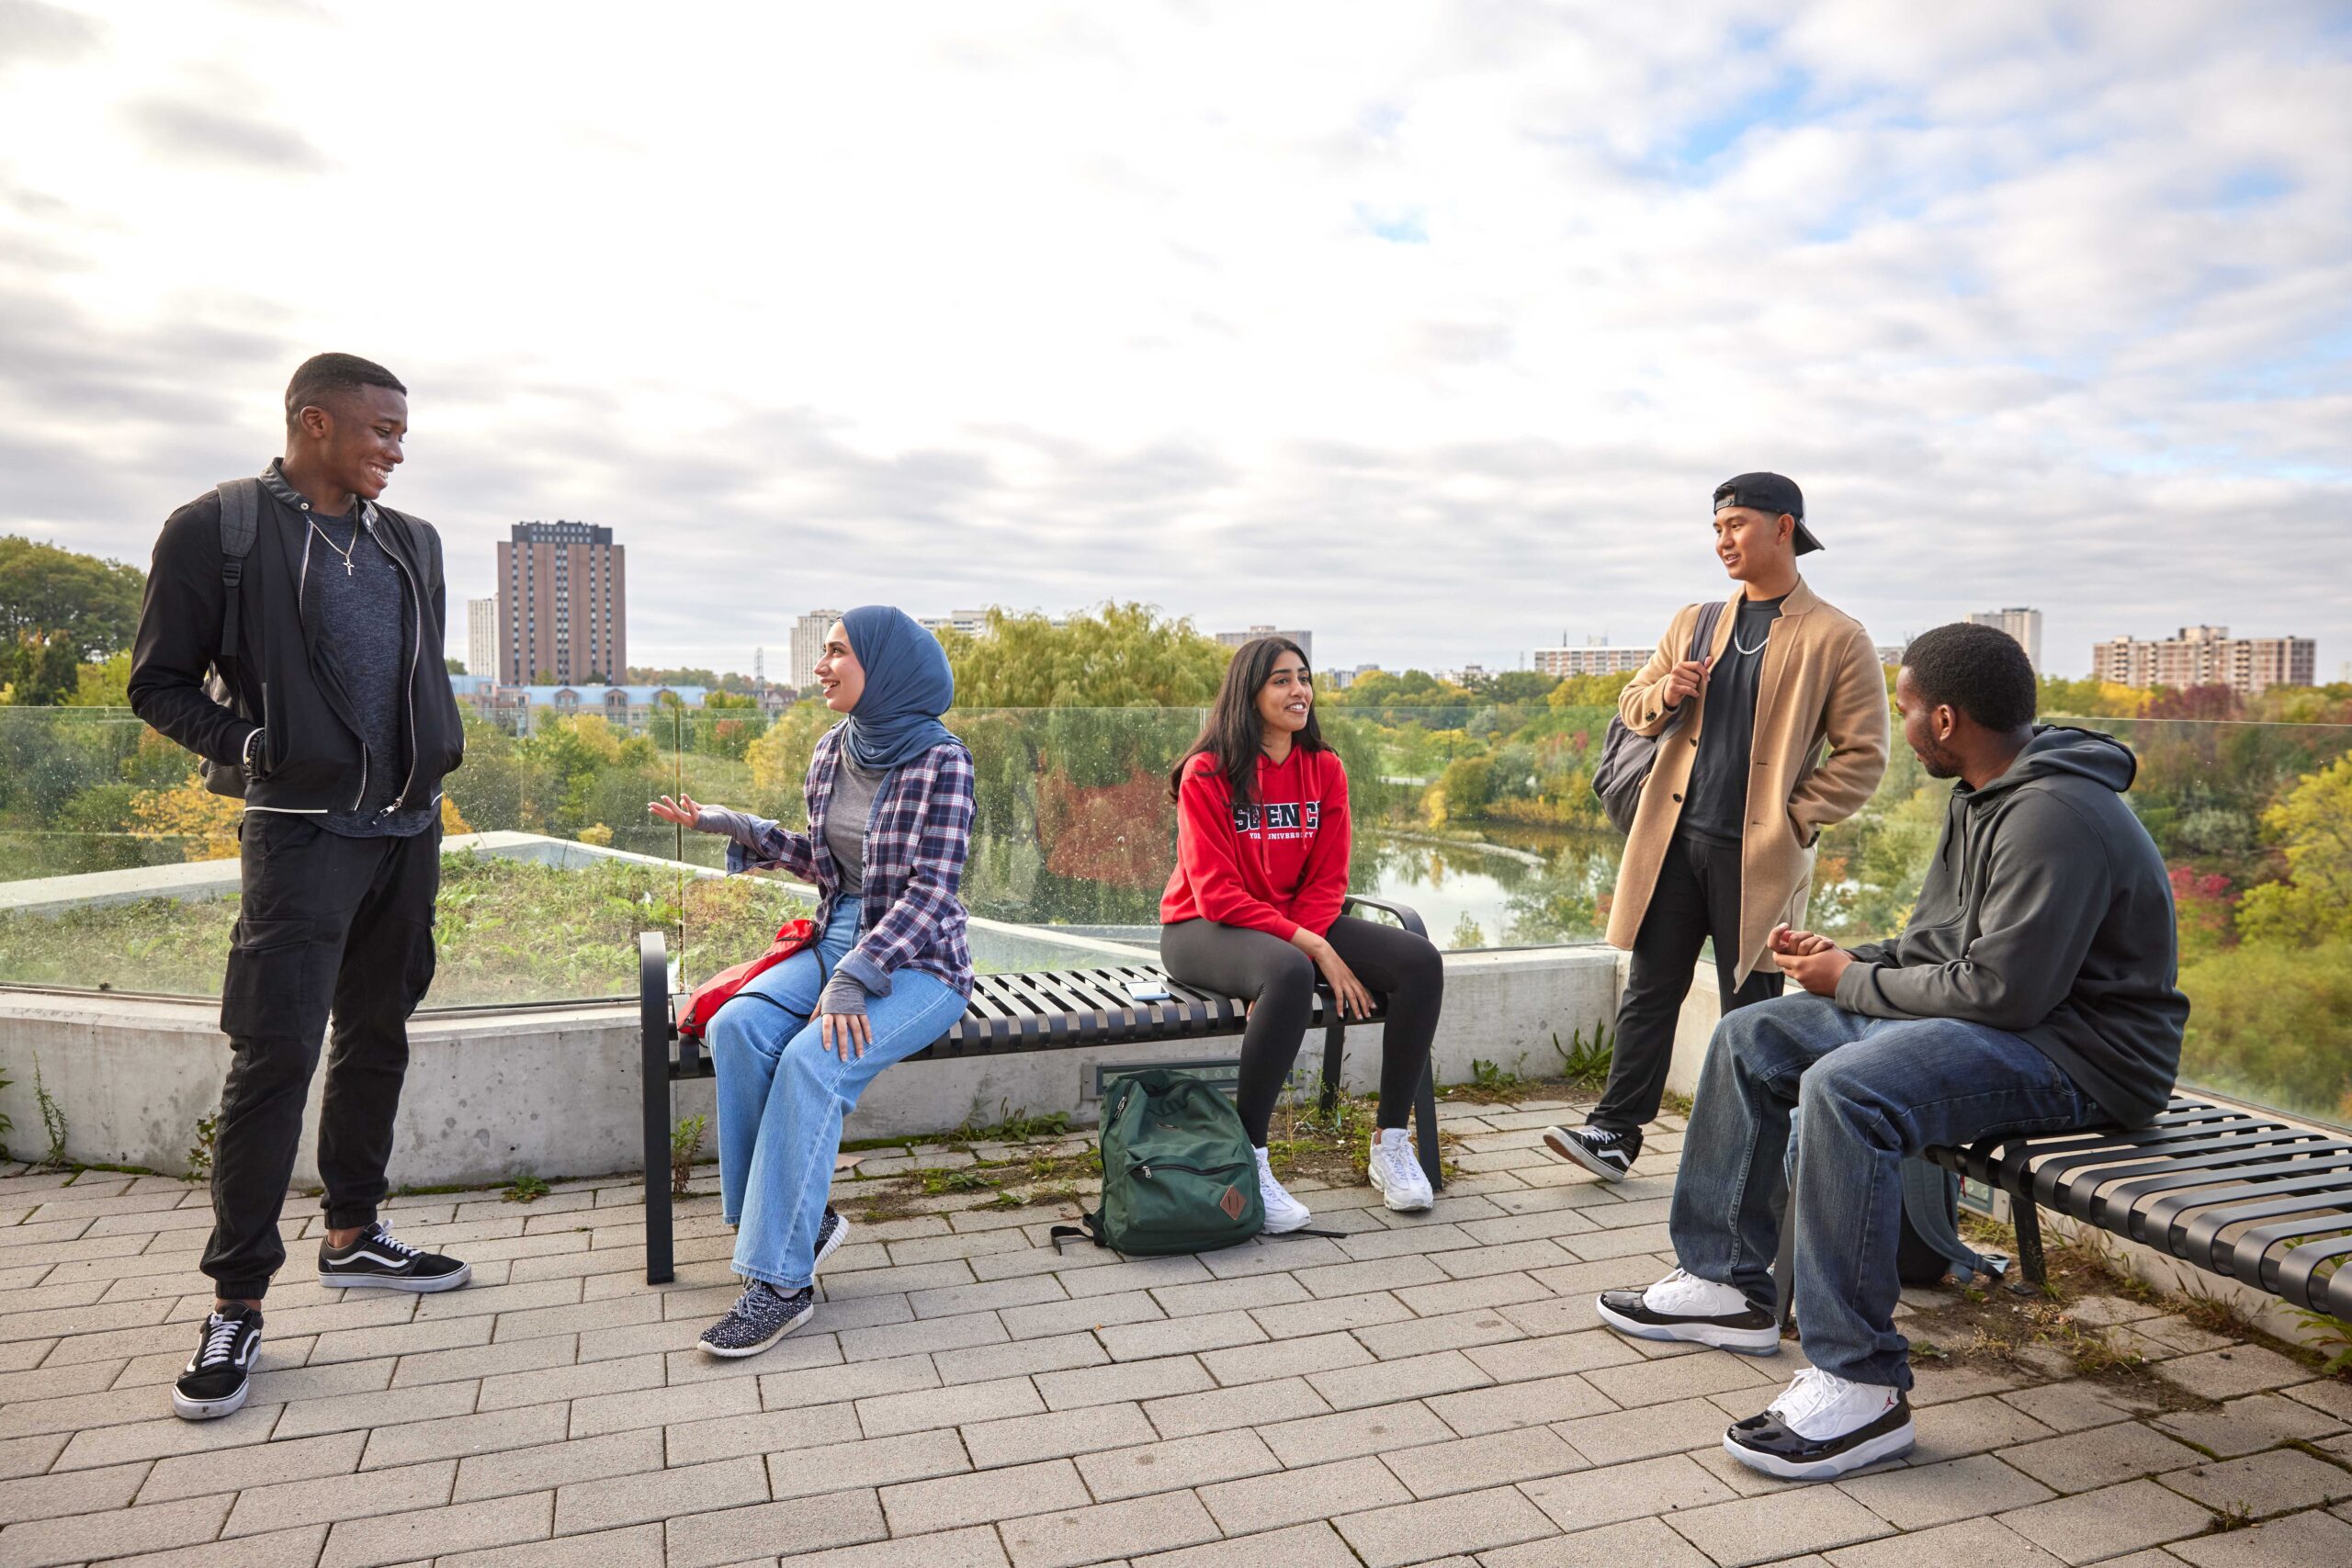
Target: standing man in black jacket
[324,624]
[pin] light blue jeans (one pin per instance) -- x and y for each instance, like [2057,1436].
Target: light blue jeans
[1868,1093]
[782,1096]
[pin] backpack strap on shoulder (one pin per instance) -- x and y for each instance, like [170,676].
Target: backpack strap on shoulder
[240,525]
[1703,635]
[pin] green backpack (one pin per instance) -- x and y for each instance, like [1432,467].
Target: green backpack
[1178,1171]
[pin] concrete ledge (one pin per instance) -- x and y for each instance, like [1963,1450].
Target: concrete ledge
[554,1091]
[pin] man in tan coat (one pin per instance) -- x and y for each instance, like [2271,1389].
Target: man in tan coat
[1722,845]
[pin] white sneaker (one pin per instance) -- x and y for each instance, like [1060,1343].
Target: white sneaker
[1698,1311]
[1822,1427]
[1283,1213]
[1396,1173]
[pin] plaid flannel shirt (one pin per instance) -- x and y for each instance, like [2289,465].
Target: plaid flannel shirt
[916,839]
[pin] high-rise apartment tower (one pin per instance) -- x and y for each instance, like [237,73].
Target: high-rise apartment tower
[563,604]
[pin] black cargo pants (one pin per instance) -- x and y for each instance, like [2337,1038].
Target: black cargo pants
[328,923]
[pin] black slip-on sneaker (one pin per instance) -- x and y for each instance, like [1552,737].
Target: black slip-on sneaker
[1604,1151]
[216,1378]
[1859,1425]
[1699,1311]
[377,1259]
[760,1315]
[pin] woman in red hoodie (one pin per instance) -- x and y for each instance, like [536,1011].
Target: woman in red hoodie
[1253,909]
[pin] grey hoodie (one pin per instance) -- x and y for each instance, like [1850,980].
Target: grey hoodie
[2048,914]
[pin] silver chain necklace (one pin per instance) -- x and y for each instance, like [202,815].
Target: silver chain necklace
[1750,652]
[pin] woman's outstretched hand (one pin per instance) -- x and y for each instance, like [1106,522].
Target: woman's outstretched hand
[684,810]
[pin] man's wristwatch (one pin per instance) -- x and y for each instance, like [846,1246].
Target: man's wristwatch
[252,743]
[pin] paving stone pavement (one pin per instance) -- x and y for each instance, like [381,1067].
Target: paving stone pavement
[1417,1390]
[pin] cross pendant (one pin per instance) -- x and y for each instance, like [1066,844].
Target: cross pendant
[346,568]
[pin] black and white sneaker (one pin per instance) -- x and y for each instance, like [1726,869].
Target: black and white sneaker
[760,1315]
[1604,1151]
[829,1237]
[1822,1428]
[219,1375]
[1700,1312]
[377,1257]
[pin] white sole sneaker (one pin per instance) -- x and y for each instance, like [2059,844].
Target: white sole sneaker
[1402,1203]
[1886,1446]
[1720,1336]
[188,1409]
[840,1229]
[449,1282]
[1573,1150]
[740,1352]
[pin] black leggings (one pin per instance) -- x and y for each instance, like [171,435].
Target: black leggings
[1278,980]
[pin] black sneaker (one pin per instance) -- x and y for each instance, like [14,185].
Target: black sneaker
[834,1226]
[1698,1311]
[1822,1427]
[760,1315]
[377,1257]
[1604,1151]
[219,1374]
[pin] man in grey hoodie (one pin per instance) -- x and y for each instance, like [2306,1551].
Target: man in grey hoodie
[2033,991]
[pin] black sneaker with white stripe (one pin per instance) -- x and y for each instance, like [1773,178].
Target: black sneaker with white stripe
[219,1375]
[377,1257]
[1606,1152]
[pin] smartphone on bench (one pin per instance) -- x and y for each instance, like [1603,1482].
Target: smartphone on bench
[1149,991]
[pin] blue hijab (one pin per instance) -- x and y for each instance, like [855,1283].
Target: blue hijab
[908,686]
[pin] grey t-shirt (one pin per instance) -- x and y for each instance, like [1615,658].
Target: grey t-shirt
[847,815]
[1715,805]
[369,632]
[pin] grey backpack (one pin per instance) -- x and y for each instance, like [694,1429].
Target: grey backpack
[240,522]
[1626,758]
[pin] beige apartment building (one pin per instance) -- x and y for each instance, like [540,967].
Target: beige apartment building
[2207,655]
[563,604]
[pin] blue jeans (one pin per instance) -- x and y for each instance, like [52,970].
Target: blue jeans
[782,1096]
[1870,1092]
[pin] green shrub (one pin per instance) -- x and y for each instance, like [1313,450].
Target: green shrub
[2274,1024]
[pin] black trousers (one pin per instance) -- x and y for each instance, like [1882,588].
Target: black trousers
[1697,897]
[327,924]
[1279,982]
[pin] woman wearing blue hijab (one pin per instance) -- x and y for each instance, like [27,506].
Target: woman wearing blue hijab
[889,794]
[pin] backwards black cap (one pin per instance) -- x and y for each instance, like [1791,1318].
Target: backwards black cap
[1772,494]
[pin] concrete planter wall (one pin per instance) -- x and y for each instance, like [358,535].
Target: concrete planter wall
[555,1091]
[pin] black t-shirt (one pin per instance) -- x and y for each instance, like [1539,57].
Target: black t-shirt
[1714,806]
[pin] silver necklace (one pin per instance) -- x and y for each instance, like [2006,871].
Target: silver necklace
[1750,652]
[338,549]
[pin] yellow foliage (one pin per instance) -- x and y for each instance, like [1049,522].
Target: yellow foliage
[205,823]
[596,833]
[450,821]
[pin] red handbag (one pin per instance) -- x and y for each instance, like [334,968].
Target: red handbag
[704,1002]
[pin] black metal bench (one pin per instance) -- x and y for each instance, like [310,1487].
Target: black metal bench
[2222,1189]
[1049,1011]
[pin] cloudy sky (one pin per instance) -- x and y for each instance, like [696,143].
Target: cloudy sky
[1427,327]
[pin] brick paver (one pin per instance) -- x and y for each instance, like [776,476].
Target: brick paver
[1419,1390]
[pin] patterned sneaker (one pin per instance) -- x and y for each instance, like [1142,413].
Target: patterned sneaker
[829,1237]
[760,1315]
[1396,1173]
[1604,1151]
[376,1258]
[1283,1213]
[1822,1427]
[218,1376]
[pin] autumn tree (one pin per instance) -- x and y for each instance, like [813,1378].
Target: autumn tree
[2313,827]
[1122,656]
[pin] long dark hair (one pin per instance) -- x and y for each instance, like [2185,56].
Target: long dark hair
[1234,734]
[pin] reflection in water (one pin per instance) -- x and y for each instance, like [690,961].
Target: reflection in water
[1512,887]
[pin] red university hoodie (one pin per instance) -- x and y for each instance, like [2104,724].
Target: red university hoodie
[1273,866]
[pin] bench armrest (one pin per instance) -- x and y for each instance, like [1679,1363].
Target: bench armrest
[1406,916]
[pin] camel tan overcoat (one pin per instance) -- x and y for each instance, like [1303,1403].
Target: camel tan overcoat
[1820,684]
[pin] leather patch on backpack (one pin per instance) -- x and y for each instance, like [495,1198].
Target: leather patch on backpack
[1232,1202]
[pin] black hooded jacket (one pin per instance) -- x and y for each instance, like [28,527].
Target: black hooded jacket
[2048,914]
[285,678]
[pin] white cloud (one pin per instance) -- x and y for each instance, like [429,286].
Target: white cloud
[1427,327]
